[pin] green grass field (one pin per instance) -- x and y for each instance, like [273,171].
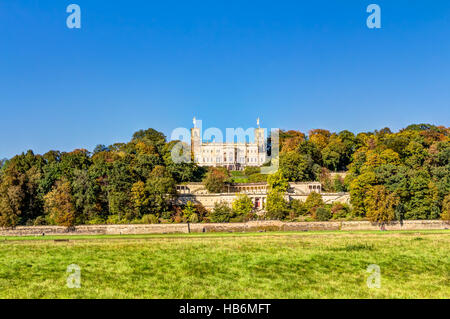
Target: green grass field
[252,265]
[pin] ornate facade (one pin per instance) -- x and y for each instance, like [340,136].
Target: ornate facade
[232,155]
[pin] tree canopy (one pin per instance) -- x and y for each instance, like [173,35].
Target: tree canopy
[403,174]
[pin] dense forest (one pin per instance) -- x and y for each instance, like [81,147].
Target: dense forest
[401,175]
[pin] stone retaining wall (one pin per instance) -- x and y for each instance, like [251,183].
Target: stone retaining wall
[252,226]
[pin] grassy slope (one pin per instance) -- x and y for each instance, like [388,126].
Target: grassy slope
[263,265]
[238,177]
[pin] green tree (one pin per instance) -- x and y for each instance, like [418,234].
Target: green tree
[339,210]
[119,182]
[161,189]
[277,207]
[297,208]
[85,193]
[221,213]
[313,201]
[242,205]
[296,167]
[422,201]
[190,213]
[278,182]
[322,214]
[338,184]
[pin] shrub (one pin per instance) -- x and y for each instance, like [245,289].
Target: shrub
[188,211]
[338,184]
[237,219]
[150,219]
[297,208]
[202,212]
[339,211]
[242,205]
[256,178]
[193,218]
[221,213]
[446,208]
[322,214]
[250,216]
[115,219]
[167,215]
[277,207]
[96,221]
[40,221]
[313,201]
[177,219]
[251,170]
[277,182]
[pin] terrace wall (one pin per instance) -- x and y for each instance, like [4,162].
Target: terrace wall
[252,226]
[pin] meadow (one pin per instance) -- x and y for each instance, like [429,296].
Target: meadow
[414,264]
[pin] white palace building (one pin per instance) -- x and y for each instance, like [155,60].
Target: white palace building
[232,155]
[237,156]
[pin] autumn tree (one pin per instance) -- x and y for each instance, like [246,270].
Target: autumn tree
[59,205]
[12,195]
[131,181]
[140,198]
[215,180]
[320,137]
[20,197]
[313,201]
[381,205]
[290,140]
[358,189]
[446,208]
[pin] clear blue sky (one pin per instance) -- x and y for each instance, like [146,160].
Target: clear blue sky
[140,64]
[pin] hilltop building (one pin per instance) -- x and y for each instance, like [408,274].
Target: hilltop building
[237,156]
[232,155]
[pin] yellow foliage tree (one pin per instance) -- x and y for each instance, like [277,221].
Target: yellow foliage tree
[320,137]
[446,208]
[242,205]
[59,204]
[139,196]
[380,204]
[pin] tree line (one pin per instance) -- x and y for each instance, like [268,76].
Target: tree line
[390,175]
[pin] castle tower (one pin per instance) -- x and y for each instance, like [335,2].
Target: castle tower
[196,140]
[260,142]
